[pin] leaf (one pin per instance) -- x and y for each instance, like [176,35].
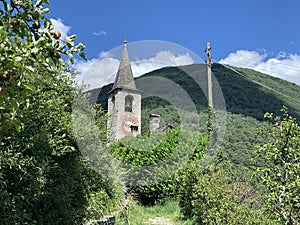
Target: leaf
[35,50]
[45,11]
[71,57]
[39,3]
[30,68]
[40,42]
[82,55]
[70,43]
[29,87]
[18,58]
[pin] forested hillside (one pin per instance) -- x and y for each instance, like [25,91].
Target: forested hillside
[248,95]
[245,91]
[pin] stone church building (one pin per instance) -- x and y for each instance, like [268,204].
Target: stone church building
[124,102]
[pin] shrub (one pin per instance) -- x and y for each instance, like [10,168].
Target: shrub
[167,155]
[280,172]
[221,194]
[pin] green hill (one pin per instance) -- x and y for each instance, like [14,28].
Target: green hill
[245,91]
[248,94]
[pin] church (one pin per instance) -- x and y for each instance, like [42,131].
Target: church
[124,105]
[124,102]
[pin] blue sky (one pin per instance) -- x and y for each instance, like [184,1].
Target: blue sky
[259,34]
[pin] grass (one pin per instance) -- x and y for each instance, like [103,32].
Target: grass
[139,215]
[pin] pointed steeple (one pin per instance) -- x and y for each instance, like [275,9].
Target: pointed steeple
[124,78]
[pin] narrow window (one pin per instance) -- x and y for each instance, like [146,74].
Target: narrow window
[128,103]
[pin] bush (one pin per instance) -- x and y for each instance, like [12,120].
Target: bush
[221,194]
[280,171]
[166,155]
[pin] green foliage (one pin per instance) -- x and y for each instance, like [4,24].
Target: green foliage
[167,213]
[247,94]
[29,45]
[103,183]
[41,168]
[146,154]
[43,177]
[187,178]
[240,139]
[287,93]
[176,148]
[106,200]
[252,92]
[280,172]
[220,194]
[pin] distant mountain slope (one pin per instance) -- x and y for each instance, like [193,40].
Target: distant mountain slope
[245,91]
[248,95]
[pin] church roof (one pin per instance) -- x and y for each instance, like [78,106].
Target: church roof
[124,78]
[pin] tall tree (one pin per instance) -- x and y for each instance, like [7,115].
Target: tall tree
[41,170]
[281,168]
[29,45]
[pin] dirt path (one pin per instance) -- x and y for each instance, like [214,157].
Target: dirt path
[160,221]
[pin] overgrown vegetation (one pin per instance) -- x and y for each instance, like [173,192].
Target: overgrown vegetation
[153,185]
[168,213]
[280,172]
[221,194]
[249,93]
[44,179]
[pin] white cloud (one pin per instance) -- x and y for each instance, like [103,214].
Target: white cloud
[284,66]
[100,33]
[100,71]
[243,58]
[168,58]
[162,59]
[145,66]
[96,72]
[61,27]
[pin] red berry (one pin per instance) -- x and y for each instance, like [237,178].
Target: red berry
[15,22]
[6,76]
[57,35]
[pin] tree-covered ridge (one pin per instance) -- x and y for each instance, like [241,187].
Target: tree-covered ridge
[245,91]
[253,93]
[248,94]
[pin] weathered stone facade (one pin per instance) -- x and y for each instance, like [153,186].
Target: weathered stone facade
[124,102]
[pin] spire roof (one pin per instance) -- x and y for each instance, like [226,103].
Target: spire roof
[124,78]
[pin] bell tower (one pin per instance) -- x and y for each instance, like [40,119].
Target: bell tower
[124,102]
